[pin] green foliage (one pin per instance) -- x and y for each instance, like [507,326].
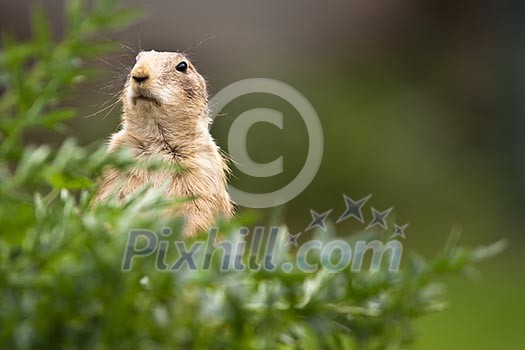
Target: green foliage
[39,74]
[61,284]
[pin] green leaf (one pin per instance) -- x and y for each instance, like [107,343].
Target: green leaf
[53,118]
[41,31]
[63,181]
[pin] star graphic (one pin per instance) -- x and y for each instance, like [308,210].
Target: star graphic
[292,239]
[318,219]
[379,218]
[399,230]
[353,208]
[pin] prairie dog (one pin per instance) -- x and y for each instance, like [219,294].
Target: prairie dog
[165,114]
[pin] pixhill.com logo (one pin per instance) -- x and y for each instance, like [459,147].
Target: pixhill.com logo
[261,248]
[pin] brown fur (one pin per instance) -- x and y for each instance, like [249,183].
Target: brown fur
[170,121]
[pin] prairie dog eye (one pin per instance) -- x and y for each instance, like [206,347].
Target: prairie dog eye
[182,67]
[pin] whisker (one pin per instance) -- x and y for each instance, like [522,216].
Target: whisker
[124,46]
[102,93]
[116,94]
[103,109]
[196,46]
[108,63]
[111,110]
[138,38]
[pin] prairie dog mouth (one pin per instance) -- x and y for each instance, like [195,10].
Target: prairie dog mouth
[143,96]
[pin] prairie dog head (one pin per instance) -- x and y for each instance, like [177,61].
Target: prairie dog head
[164,84]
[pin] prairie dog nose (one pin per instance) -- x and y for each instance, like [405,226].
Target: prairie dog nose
[140,74]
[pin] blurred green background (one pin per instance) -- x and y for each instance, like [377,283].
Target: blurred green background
[421,104]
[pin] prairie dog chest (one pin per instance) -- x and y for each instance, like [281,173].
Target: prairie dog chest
[195,163]
[159,150]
